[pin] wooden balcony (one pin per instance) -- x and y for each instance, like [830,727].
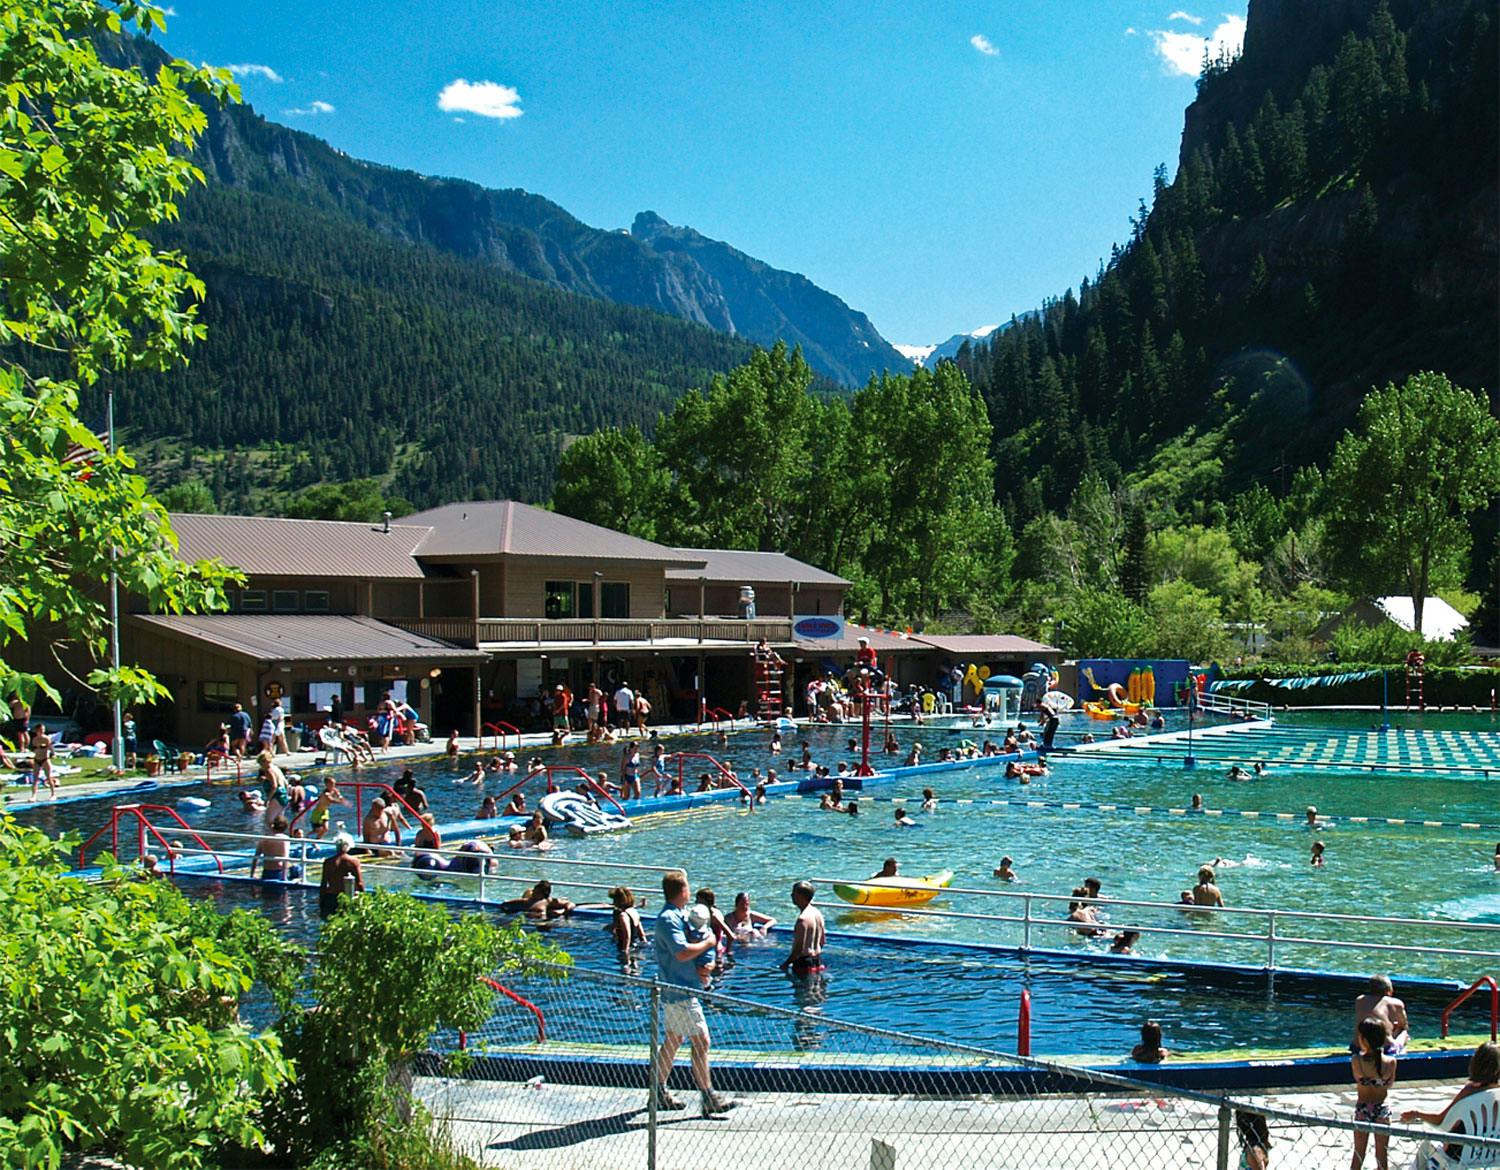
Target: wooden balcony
[598,633]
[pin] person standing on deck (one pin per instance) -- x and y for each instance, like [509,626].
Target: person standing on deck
[239,731]
[624,705]
[682,1014]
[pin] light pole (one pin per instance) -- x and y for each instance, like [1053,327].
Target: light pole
[117,743]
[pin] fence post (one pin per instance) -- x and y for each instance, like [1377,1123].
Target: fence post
[1026,925]
[1223,1158]
[651,1075]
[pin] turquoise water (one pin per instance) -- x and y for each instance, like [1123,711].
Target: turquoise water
[1373,869]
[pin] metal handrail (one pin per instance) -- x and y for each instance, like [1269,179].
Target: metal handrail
[1494,1005]
[724,771]
[501,729]
[587,779]
[139,811]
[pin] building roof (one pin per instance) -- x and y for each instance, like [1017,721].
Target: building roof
[1440,621]
[848,642]
[986,645]
[304,638]
[482,528]
[274,547]
[741,567]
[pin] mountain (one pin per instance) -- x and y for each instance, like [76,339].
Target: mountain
[765,304]
[930,355]
[1332,226]
[654,266]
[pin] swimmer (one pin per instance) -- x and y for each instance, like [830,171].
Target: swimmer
[746,923]
[1317,854]
[1185,898]
[1197,805]
[496,764]
[776,743]
[1206,893]
[914,757]
[852,808]
[1004,871]
[1238,773]
[476,777]
[488,810]
[902,820]
[760,792]
[1150,1050]
[625,921]
[1312,818]
[1260,768]
[517,838]
[536,831]
[517,806]
[929,801]
[1124,942]
[452,748]
[318,815]
[1079,911]
[254,802]
[808,935]
[889,869]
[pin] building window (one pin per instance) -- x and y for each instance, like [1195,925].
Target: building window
[217,698]
[284,601]
[585,599]
[315,601]
[252,601]
[614,599]
[559,603]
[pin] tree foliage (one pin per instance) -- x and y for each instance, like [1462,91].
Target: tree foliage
[118,1005]
[1400,487]
[90,157]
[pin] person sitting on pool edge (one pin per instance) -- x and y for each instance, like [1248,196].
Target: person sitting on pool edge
[1150,1050]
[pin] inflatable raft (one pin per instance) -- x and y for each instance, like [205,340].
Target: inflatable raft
[896,891]
[578,814]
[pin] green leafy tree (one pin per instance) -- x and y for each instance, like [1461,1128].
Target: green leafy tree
[90,157]
[613,478]
[1099,624]
[189,495]
[391,972]
[118,1008]
[1186,622]
[359,499]
[1400,487]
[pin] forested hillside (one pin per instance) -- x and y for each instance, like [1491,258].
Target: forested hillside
[339,354]
[1332,226]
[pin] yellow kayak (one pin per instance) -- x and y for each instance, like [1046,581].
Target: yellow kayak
[1105,711]
[896,891]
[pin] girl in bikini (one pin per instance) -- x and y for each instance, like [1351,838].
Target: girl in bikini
[41,760]
[1374,1074]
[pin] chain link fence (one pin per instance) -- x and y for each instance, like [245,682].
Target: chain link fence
[795,1089]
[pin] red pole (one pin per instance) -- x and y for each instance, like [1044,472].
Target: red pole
[140,845]
[1023,1025]
[114,835]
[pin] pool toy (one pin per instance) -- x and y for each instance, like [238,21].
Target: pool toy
[896,891]
[579,815]
[1097,710]
[1058,701]
[194,803]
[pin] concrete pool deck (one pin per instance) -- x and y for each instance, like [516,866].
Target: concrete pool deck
[529,1125]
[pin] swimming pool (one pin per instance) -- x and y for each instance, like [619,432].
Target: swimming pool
[1058,829]
[947,993]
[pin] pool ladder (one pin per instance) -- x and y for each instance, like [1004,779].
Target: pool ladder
[1482,981]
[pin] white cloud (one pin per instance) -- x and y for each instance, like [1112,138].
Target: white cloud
[311,110]
[167,10]
[256,71]
[1182,53]
[984,45]
[1187,16]
[488,99]
[1132,31]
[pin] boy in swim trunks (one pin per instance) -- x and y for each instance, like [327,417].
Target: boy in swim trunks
[807,935]
[318,815]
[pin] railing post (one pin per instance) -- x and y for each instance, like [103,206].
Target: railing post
[481,885]
[651,1075]
[1026,925]
[1222,1161]
[303,879]
[1271,943]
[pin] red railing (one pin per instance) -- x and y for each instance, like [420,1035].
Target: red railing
[541,1023]
[213,756]
[359,787]
[144,827]
[500,729]
[1482,981]
[724,772]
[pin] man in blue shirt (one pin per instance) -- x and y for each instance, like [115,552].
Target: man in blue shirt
[239,731]
[676,949]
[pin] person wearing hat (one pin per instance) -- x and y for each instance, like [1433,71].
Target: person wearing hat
[338,871]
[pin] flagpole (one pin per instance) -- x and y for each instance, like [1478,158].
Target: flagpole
[117,744]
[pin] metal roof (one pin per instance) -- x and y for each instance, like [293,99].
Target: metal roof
[304,638]
[986,645]
[741,567]
[848,642]
[509,528]
[274,547]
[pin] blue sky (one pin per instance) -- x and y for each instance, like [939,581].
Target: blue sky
[939,166]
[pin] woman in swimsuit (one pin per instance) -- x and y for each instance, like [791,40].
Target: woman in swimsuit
[41,760]
[625,923]
[427,838]
[1374,1074]
[747,923]
[536,832]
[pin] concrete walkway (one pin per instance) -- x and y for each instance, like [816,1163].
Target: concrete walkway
[551,1127]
